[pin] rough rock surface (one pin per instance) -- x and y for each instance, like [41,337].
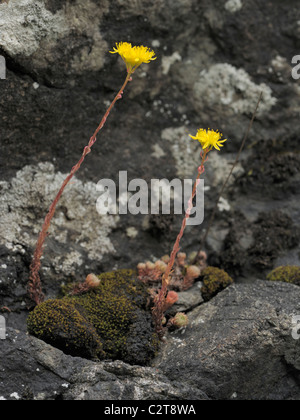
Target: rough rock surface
[78,233]
[214,58]
[61,77]
[239,345]
[32,369]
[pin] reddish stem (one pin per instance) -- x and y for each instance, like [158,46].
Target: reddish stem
[34,285]
[158,309]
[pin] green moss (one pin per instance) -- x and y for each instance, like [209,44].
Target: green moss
[287,273]
[214,280]
[60,323]
[110,321]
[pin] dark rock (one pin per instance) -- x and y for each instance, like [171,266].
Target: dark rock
[188,299]
[239,344]
[60,78]
[214,59]
[251,246]
[32,369]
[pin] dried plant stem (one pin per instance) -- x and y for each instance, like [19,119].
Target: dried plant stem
[34,285]
[159,303]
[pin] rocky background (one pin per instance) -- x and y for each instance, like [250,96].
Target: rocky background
[214,59]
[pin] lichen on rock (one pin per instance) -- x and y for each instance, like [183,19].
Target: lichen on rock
[30,29]
[26,198]
[233,88]
[110,321]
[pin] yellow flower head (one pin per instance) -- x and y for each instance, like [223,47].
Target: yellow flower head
[209,138]
[133,56]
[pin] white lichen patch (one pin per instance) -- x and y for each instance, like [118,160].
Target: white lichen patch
[15,395]
[185,151]
[224,84]
[155,43]
[281,67]
[168,61]
[223,205]
[158,152]
[132,232]
[27,27]
[24,23]
[67,263]
[25,200]
[279,63]
[233,6]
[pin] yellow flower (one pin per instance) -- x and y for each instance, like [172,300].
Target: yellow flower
[209,138]
[133,56]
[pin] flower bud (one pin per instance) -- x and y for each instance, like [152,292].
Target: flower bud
[193,271]
[150,265]
[171,298]
[165,259]
[157,264]
[181,257]
[180,320]
[163,267]
[92,280]
[160,265]
[141,266]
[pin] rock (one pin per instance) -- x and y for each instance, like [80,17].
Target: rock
[223,84]
[77,234]
[239,344]
[34,33]
[32,369]
[188,299]
[250,246]
[60,79]
[214,58]
[233,5]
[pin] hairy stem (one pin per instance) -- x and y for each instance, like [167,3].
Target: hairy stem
[34,285]
[158,308]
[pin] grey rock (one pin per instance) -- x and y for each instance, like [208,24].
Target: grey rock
[60,79]
[239,344]
[188,299]
[224,84]
[32,369]
[78,232]
[31,33]
[31,189]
